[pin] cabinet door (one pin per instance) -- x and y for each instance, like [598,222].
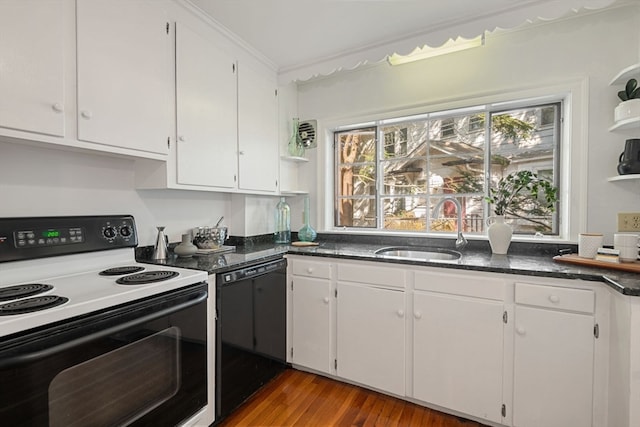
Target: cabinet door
[206,112]
[553,368]
[457,353]
[371,336]
[311,323]
[32,54]
[257,131]
[123,74]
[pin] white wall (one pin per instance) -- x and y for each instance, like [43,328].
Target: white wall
[590,48]
[36,181]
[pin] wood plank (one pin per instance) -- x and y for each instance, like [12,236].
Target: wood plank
[296,398]
[633,267]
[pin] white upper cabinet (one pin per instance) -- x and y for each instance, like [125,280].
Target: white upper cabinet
[124,83]
[32,74]
[206,112]
[258,158]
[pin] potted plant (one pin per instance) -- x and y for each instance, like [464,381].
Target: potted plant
[630,102]
[520,194]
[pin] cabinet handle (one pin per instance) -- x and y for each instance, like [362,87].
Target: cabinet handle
[554,299]
[57,107]
[520,330]
[241,152]
[400,313]
[182,138]
[417,315]
[86,114]
[325,300]
[310,270]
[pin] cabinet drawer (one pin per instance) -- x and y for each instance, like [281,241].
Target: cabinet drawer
[317,269]
[470,285]
[371,275]
[581,300]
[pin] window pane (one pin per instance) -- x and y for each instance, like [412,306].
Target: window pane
[357,180]
[527,139]
[445,219]
[404,139]
[405,177]
[404,213]
[357,146]
[353,212]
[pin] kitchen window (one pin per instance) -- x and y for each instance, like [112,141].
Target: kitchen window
[391,173]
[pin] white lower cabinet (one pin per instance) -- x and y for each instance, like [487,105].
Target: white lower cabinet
[309,314]
[553,357]
[371,336]
[477,344]
[458,353]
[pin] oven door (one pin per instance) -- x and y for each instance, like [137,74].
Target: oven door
[142,364]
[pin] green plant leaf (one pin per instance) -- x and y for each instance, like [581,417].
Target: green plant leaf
[623,95]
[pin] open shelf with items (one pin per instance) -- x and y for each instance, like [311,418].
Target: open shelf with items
[629,126]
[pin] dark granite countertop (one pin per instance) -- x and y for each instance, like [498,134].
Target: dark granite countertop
[535,261]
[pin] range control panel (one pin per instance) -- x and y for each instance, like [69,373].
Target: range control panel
[38,237]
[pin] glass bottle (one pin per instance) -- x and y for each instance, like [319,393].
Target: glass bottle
[283,222]
[295,147]
[307,233]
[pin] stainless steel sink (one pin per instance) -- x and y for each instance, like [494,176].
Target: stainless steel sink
[419,253]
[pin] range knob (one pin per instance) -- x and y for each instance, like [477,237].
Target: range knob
[109,232]
[125,231]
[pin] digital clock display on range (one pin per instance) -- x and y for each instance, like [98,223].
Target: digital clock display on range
[50,233]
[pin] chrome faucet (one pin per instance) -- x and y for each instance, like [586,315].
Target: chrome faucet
[461,242]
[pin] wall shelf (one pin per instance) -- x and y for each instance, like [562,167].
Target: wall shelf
[631,124]
[629,177]
[623,76]
[294,159]
[293,192]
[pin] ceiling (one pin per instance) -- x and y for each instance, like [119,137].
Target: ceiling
[296,33]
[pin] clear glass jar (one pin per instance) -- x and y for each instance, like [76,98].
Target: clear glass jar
[283,222]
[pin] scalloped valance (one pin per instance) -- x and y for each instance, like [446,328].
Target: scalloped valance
[534,13]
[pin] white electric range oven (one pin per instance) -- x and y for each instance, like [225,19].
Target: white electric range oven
[90,337]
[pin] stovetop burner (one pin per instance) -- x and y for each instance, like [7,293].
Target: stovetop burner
[147,277]
[119,271]
[22,291]
[30,305]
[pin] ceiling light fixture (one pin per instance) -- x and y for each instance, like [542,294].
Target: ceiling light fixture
[424,52]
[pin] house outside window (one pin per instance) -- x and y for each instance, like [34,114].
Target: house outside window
[391,174]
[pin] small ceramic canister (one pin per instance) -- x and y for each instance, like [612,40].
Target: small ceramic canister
[627,244]
[588,244]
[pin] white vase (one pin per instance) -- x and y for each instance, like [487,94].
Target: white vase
[186,248]
[499,234]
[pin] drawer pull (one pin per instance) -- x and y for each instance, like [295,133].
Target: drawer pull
[520,330]
[554,299]
[310,270]
[400,313]
[325,300]
[417,315]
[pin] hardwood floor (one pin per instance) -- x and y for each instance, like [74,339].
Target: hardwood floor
[296,398]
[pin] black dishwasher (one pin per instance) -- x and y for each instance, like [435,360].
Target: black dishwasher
[251,331]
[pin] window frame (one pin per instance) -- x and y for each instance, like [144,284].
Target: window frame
[573,194]
[488,109]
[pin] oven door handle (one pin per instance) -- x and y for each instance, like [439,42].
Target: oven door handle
[28,357]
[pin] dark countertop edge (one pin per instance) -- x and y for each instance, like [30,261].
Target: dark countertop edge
[492,269]
[258,254]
